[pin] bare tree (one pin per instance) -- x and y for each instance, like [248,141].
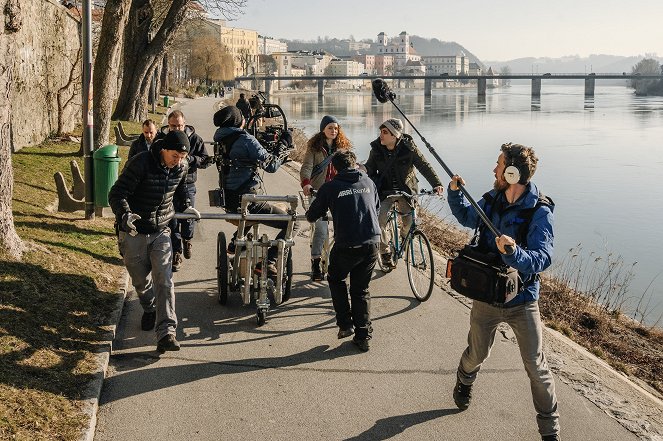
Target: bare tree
[10,242]
[245,60]
[207,59]
[505,70]
[116,14]
[646,66]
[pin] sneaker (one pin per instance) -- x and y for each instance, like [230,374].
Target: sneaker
[387,262]
[462,395]
[553,437]
[148,320]
[187,245]
[177,262]
[343,333]
[271,269]
[361,343]
[316,272]
[168,343]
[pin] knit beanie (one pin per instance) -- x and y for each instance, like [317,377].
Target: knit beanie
[326,120]
[176,140]
[229,116]
[394,125]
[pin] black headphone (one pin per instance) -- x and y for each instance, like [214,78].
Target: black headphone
[514,173]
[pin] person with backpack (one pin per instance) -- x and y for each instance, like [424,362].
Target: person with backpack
[317,168]
[245,157]
[391,164]
[525,219]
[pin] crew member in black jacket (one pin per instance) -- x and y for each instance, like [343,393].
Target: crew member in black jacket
[142,201]
[182,230]
[353,200]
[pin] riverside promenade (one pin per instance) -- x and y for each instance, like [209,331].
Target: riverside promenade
[291,379]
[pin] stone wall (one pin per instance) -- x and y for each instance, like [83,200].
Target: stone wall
[47,49]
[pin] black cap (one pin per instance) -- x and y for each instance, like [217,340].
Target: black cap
[176,140]
[229,116]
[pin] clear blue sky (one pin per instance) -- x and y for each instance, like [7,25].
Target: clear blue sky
[500,30]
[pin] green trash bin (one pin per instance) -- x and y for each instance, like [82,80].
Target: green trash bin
[166,101]
[106,166]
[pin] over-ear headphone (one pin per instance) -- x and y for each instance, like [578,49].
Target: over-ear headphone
[512,173]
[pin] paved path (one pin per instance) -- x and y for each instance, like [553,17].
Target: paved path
[293,380]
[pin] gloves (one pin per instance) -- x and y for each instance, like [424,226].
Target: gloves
[193,211]
[207,161]
[128,220]
[286,138]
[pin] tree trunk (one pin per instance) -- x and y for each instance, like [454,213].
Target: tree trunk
[116,14]
[164,75]
[10,242]
[141,54]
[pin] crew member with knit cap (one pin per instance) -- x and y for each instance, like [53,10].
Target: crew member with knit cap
[142,201]
[391,164]
[246,157]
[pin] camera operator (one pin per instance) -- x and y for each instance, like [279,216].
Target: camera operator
[246,157]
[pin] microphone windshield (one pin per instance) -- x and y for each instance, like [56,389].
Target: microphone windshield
[381,91]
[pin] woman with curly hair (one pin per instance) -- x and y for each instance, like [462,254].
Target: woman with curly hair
[316,170]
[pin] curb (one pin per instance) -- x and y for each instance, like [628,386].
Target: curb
[90,406]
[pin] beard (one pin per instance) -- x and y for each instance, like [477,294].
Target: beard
[500,184]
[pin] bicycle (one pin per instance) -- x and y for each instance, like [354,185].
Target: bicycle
[415,248]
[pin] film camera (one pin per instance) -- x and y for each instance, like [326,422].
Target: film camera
[268,123]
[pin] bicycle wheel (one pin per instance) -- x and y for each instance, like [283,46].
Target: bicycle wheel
[420,266]
[222,268]
[391,234]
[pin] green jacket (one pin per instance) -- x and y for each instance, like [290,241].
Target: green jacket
[408,157]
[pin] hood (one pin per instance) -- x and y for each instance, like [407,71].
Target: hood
[406,141]
[349,175]
[529,199]
[188,130]
[224,132]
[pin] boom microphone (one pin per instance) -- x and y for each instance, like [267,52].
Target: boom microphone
[382,91]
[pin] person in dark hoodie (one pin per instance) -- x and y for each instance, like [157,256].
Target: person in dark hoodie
[353,200]
[246,157]
[145,140]
[182,230]
[142,201]
[391,164]
[244,106]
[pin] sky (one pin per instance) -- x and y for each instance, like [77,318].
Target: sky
[501,31]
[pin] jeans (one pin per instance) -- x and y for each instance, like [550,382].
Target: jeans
[148,259]
[358,263]
[386,230]
[183,228]
[525,321]
[320,234]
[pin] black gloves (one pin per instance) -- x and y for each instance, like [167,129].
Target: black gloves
[286,138]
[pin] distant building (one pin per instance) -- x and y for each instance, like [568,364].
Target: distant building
[358,46]
[398,47]
[384,64]
[474,69]
[268,45]
[447,64]
[368,61]
[242,44]
[492,82]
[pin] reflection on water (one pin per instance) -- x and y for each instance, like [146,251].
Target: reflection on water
[601,159]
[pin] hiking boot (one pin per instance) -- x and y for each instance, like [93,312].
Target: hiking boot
[271,269]
[148,320]
[177,261]
[553,437]
[343,333]
[361,343]
[387,261]
[316,272]
[187,245]
[462,395]
[168,343]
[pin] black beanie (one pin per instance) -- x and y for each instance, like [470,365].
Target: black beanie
[176,140]
[229,116]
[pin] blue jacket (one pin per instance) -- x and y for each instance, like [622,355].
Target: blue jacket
[529,261]
[354,203]
[246,156]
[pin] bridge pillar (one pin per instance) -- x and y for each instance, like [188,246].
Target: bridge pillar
[536,87]
[268,87]
[428,87]
[481,87]
[321,88]
[589,86]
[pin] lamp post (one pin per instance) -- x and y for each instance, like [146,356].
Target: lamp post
[88,120]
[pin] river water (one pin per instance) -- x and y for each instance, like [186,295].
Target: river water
[600,159]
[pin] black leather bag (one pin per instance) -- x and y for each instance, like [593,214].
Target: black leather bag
[482,276]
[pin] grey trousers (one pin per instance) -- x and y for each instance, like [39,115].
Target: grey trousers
[525,321]
[406,220]
[148,259]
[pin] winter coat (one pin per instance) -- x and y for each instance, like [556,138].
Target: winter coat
[353,201]
[246,156]
[529,259]
[137,146]
[312,158]
[402,168]
[245,107]
[197,156]
[146,188]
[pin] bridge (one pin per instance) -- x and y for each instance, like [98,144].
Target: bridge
[481,80]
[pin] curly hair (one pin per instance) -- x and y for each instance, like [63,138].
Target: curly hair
[523,158]
[318,141]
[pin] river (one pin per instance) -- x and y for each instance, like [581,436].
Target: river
[600,159]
